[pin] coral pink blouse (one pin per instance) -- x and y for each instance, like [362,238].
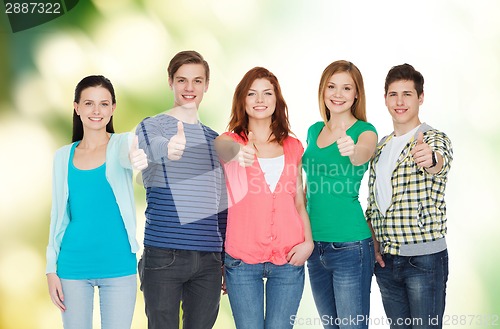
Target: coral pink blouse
[263,226]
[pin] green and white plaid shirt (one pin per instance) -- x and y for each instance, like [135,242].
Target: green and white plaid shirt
[415,222]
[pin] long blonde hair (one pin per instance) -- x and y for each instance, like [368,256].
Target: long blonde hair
[358,108]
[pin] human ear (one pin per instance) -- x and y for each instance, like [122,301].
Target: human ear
[75,106]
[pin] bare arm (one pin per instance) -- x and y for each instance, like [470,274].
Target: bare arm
[364,148]
[301,252]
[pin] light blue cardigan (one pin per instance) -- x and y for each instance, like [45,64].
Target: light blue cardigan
[119,176]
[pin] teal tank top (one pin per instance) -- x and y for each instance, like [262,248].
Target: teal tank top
[95,244]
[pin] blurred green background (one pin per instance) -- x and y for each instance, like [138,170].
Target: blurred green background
[454,43]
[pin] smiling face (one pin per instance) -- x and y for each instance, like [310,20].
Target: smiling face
[340,93]
[260,102]
[189,84]
[403,104]
[95,107]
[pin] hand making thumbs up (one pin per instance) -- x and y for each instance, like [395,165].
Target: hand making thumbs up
[246,156]
[345,143]
[137,156]
[422,152]
[177,143]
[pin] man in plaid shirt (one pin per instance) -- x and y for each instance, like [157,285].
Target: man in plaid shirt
[406,208]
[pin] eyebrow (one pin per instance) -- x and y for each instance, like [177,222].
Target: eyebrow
[269,89]
[181,77]
[345,84]
[404,91]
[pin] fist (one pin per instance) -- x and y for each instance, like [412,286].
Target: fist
[137,156]
[422,152]
[345,143]
[246,155]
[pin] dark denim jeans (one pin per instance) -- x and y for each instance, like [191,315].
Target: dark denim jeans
[245,286]
[413,289]
[341,275]
[171,276]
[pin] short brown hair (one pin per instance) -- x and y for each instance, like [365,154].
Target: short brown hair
[405,72]
[187,57]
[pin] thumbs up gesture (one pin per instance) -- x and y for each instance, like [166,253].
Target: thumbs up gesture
[137,156]
[422,152]
[177,143]
[246,155]
[345,143]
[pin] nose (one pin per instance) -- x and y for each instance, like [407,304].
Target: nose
[189,86]
[399,100]
[260,98]
[337,92]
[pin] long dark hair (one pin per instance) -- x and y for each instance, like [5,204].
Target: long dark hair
[87,82]
[238,122]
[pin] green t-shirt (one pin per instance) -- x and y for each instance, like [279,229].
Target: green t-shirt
[333,188]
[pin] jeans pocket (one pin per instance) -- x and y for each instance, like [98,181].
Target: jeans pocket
[425,263]
[158,259]
[231,262]
[346,245]
[217,256]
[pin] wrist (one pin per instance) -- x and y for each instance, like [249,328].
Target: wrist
[434,160]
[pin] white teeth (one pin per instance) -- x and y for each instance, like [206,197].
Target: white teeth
[95,119]
[189,97]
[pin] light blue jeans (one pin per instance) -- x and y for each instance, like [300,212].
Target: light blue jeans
[245,286]
[116,297]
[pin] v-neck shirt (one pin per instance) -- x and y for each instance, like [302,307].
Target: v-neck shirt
[333,184]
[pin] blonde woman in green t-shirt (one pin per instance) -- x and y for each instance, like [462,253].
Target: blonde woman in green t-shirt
[336,158]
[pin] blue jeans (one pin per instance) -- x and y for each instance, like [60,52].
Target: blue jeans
[245,286]
[170,276]
[341,276]
[413,289]
[116,297]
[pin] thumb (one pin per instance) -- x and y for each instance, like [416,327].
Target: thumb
[420,138]
[251,139]
[344,131]
[180,129]
[135,144]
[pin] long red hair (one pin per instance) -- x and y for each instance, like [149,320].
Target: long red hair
[238,123]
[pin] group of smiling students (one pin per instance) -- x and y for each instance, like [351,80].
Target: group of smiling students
[233,211]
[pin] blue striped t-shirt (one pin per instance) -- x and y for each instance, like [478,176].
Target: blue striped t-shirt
[186,198]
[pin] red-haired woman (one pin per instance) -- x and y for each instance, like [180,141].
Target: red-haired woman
[268,232]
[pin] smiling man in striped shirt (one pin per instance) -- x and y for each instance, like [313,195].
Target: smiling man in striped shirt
[186,206]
